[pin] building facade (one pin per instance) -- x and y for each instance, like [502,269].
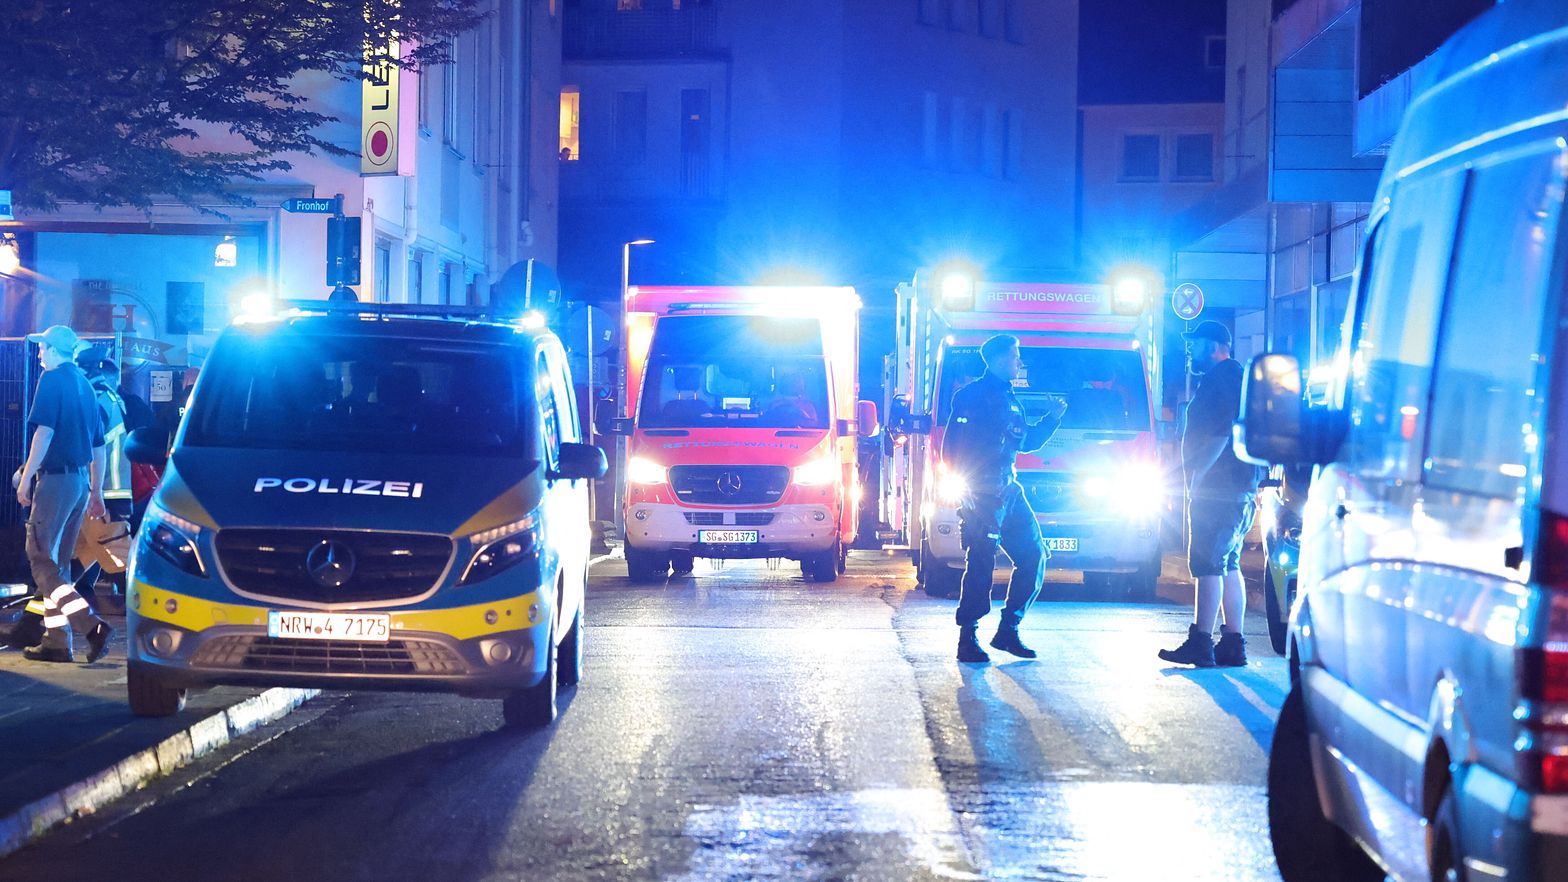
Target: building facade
[839,141]
[473,193]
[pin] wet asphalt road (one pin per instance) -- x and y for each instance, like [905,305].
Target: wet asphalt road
[745,724]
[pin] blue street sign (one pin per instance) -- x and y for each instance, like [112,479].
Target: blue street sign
[312,206]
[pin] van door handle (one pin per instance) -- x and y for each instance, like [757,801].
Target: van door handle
[1513,558]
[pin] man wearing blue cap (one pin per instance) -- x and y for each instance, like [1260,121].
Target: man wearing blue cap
[1220,503]
[62,482]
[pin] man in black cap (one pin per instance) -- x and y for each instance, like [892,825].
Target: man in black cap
[1221,492]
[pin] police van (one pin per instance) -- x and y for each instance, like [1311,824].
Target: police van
[368,497]
[1426,731]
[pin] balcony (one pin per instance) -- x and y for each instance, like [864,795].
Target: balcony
[640,33]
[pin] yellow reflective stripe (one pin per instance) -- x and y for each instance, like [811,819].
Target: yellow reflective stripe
[36,607]
[462,623]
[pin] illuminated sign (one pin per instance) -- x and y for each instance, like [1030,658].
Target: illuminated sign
[378,116]
[1048,298]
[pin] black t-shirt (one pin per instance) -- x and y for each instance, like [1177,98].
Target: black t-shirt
[1213,409]
[65,403]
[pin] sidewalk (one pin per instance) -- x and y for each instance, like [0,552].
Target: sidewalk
[71,744]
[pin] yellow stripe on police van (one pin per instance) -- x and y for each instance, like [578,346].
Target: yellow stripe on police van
[462,622]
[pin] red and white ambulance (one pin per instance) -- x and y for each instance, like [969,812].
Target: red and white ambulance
[1097,487]
[743,424]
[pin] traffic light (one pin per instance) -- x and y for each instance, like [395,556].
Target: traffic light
[343,250]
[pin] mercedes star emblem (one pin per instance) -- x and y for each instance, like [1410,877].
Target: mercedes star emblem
[330,563]
[729,483]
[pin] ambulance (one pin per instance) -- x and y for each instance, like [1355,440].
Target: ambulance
[743,427]
[1097,487]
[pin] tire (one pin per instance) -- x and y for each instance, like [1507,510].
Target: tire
[682,563]
[1445,848]
[822,567]
[1143,583]
[149,697]
[645,567]
[536,706]
[1307,846]
[569,658]
[843,559]
[1278,625]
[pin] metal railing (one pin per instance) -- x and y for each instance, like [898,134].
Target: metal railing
[640,33]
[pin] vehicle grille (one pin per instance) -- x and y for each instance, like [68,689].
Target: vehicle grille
[328,656]
[1049,494]
[717,518]
[729,485]
[386,566]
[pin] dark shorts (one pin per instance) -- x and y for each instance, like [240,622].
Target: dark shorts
[1216,528]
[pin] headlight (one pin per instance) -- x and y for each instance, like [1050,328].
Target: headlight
[818,473]
[950,485]
[1137,489]
[172,538]
[501,549]
[645,471]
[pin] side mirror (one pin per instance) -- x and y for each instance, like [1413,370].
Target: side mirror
[866,419]
[618,426]
[1273,414]
[580,461]
[603,415]
[148,446]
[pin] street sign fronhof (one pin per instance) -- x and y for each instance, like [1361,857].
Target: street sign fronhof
[378,112]
[1187,301]
[312,206]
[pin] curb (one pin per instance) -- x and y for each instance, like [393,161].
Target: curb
[32,821]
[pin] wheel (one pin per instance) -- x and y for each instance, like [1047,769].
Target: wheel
[843,559]
[1278,621]
[569,658]
[682,562]
[643,567]
[534,707]
[822,567]
[1445,851]
[149,697]
[939,579]
[1143,583]
[1307,845]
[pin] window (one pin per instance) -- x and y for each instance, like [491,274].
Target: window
[991,18]
[565,398]
[423,77]
[449,98]
[958,15]
[1140,158]
[1012,143]
[628,5]
[549,411]
[992,143]
[444,284]
[694,142]
[930,11]
[383,271]
[957,134]
[1195,157]
[1485,402]
[1013,21]
[1214,51]
[571,101]
[631,126]
[1391,365]
[480,92]
[931,130]
[416,277]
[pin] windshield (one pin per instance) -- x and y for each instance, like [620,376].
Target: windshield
[735,371]
[362,393]
[1104,388]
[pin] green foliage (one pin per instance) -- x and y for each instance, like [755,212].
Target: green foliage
[102,101]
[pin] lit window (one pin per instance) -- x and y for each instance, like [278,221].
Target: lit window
[571,101]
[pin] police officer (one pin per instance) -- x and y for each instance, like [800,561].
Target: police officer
[62,482]
[986,430]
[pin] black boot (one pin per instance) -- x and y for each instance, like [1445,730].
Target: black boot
[98,641]
[1198,650]
[1006,639]
[54,647]
[1231,651]
[969,646]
